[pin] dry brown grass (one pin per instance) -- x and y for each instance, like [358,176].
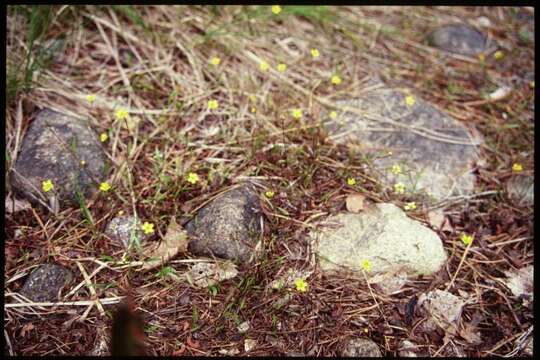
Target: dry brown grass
[163,76]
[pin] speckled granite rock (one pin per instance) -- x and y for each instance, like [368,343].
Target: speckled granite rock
[229,226]
[520,189]
[53,148]
[46,283]
[381,234]
[435,152]
[360,347]
[458,38]
[126,229]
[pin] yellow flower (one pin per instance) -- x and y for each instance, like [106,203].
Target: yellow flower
[212,104]
[399,188]
[281,67]
[121,212]
[498,55]
[47,185]
[296,113]
[253,109]
[121,114]
[517,167]
[104,186]
[481,57]
[301,285]
[366,265]
[276,9]
[264,66]
[410,206]
[351,181]
[91,98]
[103,137]
[148,228]
[336,80]
[409,100]
[466,238]
[315,53]
[215,61]
[82,162]
[333,114]
[396,169]
[269,194]
[531,84]
[192,178]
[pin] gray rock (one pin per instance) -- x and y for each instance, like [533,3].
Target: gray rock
[361,347]
[53,148]
[229,226]
[46,283]
[459,39]
[442,309]
[126,230]
[435,152]
[520,189]
[383,235]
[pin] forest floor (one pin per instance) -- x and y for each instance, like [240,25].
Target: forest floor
[157,62]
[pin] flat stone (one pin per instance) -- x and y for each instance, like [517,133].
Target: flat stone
[46,283]
[53,148]
[361,347]
[382,234]
[520,189]
[435,152]
[459,39]
[521,283]
[126,230]
[443,309]
[229,226]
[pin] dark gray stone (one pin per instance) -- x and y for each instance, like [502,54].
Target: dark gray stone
[126,230]
[435,152]
[53,148]
[459,39]
[46,283]
[228,227]
[361,347]
[520,189]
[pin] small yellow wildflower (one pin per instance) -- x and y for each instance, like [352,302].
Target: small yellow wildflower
[47,185]
[399,188]
[315,53]
[351,181]
[366,330]
[281,67]
[366,265]
[215,61]
[396,169]
[212,104]
[466,238]
[410,206]
[333,114]
[410,100]
[531,84]
[481,57]
[121,114]
[276,9]
[82,162]
[104,186]
[264,65]
[517,167]
[336,80]
[103,137]
[91,98]
[148,228]
[121,212]
[269,194]
[389,153]
[253,109]
[192,178]
[296,113]
[301,285]
[498,55]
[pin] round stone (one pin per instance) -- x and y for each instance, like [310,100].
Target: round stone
[46,283]
[361,347]
[459,39]
[126,230]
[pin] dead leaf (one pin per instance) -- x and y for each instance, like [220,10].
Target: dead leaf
[26,328]
[438,220]
[470,334]
[355,203]
[175,241]
[13,205]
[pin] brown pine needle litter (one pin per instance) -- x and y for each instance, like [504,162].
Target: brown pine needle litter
[147,78]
